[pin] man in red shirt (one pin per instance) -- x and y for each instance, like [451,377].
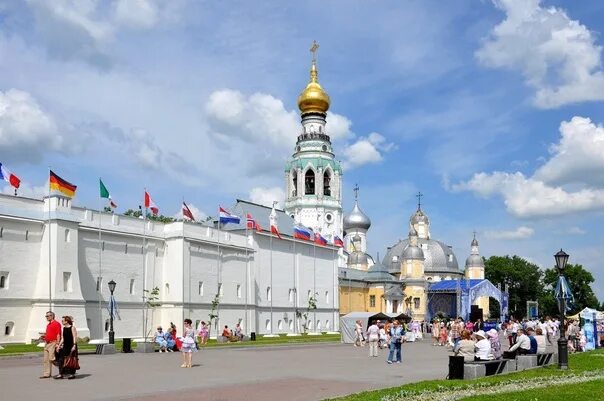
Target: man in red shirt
[52,338]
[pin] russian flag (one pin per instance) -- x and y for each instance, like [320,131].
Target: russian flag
[9,177]
[226,217]
[337,241]
[301,232]
[319,239]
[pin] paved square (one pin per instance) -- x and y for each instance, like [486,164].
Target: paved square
[301,372]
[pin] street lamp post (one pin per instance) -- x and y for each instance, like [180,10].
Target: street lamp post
[561,259]
[111,285]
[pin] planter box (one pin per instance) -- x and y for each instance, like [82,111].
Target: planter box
[145,347]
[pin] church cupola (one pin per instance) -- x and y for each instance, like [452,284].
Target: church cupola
[419,220]
[474,262]
[356,224]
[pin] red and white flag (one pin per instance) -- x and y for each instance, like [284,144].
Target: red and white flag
[149,204]
[186,212]
[253,224]
[275,231]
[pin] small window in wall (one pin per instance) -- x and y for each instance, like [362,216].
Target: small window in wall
[167,289]
[4,280]
[1,231]
[450,257]
[107,325]
[220,292]
[309,182]
[9,328]
[126,248]
[309,293]
[310,326]
[268,325]
[326,297]
[269,294]
[327,183]
[291,325]
[327,327]
[238,291]
[372,301]
[67,287]
[26,235]
[200,288]
[99,284]
[416,303]
[280,325]
[131,286]
[318,325]
[67,235]
[291,295]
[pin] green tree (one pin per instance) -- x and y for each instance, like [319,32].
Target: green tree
[579,280]
[522,278]
[161,218]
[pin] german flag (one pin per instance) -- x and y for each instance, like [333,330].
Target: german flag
[59,184]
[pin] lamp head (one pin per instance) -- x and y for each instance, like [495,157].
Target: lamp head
[111,285]
[561,260]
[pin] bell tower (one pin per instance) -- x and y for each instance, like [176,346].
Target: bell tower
[313,177]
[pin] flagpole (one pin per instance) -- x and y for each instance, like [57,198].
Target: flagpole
[218,278]
[49,249]
[271,282]
[99,279]
[144,252]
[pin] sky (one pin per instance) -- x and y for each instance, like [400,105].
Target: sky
[492,109]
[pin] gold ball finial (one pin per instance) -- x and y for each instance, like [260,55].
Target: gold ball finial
[313,98]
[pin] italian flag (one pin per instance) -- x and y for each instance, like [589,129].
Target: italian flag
[105,194]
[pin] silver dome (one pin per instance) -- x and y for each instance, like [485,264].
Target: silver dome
[413,252]
[474,242]
[436,256]
[356,219]
[419,217]
[474,261]
[379,272]
[412,232]
[357,258]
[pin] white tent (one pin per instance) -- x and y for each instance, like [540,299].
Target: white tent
[347,323]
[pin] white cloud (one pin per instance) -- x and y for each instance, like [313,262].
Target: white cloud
[576,231]
[557,56]
[136,13]
[366,150]
[577,160]
[521,232]
[579,157]
[338,126]
[266,196]
[26,190]
[25,129]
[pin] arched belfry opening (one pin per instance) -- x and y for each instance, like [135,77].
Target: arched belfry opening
[327,183]
[294,177]
[309,182]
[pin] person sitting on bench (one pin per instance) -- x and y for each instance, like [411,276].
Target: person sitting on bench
[522,345]
[483,347]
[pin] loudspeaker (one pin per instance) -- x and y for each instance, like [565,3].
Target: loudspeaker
[253,336]
[127,345]
[475,313]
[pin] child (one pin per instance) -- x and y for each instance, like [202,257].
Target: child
[444,334]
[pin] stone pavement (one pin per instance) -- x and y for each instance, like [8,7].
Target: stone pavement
[300,372]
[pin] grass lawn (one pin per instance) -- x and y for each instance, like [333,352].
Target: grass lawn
[18,349]
[553,384]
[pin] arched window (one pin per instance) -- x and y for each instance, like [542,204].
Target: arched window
[294,175]
[327,183]
[8,328]
[309,182]
[268,294]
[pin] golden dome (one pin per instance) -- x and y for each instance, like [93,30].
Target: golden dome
[313,98]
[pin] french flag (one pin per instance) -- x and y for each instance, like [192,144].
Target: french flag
[226,217]
[319,239]
[149,204]
[337,241]
[9,177]
[301,232]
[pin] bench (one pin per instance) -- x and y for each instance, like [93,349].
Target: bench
[545,359]
[100,344]
[475,369]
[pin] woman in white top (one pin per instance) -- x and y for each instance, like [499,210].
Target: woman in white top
[483,347]
[383,339]
[373,335]
[541,341]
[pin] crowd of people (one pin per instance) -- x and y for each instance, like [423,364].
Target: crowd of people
[388,334]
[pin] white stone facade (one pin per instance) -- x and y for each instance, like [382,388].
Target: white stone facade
[181,259]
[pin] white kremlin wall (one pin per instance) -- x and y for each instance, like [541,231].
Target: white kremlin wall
[181,259]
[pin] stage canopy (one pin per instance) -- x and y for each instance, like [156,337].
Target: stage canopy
[455,297]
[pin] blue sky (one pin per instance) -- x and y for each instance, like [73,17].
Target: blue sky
[492,109]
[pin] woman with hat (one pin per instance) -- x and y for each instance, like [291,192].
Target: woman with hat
[493,336]
[482,346]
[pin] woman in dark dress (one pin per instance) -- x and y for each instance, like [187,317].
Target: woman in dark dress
[67,347]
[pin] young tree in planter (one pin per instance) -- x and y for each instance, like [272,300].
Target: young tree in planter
[151,298]
[213,316]
[312,305]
